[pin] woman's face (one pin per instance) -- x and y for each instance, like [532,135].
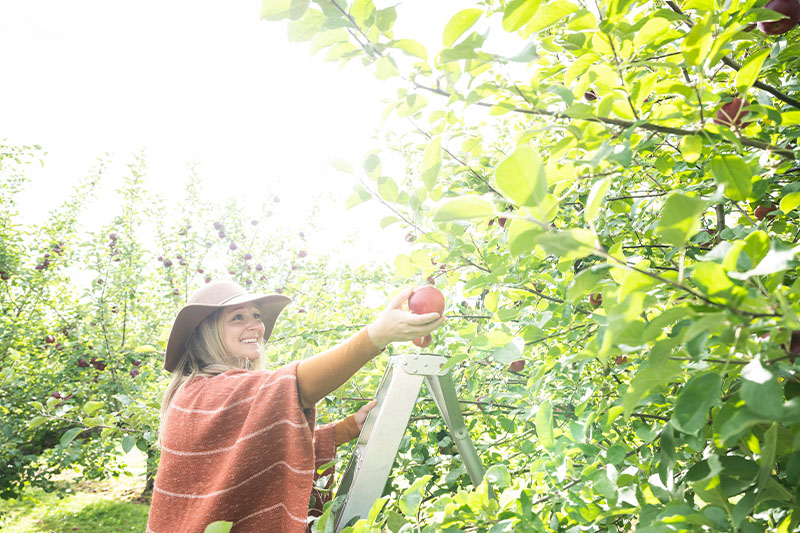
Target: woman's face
[242,331]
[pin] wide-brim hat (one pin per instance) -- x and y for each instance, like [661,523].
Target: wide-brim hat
[216,295]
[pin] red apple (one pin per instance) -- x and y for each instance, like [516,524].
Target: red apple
[302,253]
[49,339]
[731,114]
[590,96]
[501,221]
[790,8]
[218,226]
[259,267]
[134,372]
[596,299]
[620,360]
[425,300]
[410,237]
[136,362]
[232,246]
[82,363]
[56,395]
[517,366]
[247,257]
[423,342]
[208,279]
[762,211]
[167,263]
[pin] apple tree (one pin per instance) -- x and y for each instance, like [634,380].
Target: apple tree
[607,194]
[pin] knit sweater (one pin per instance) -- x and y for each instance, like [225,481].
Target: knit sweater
[239,447]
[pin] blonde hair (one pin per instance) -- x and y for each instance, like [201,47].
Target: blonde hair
[203,355]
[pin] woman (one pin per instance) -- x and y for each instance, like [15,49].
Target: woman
[239,444]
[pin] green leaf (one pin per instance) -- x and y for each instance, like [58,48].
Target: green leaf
[680,218]
[220,526]
[790,202]
[145,348]
[432,163]
[587,281]
[691,148]
[385,68]
[761,391]
[37,421]
[521,177]
[411,47]
[91,406]
[361,195]
[775,261]
[568,244]
[283,9]
[699,395]
[518,13]
[549,14]
[499,476]
[458,24]
[595,199]
[790,118]
[749,71]
[464,208]
[70,435]
[653,29]
[128,442]
[544,425]
[658,371]
[521,235]
[767,458]
[412,497]
[735,174]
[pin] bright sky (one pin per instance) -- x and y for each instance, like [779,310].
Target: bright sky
[202,81]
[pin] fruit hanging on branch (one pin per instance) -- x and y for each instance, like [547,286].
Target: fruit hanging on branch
[789,8]
[731,114]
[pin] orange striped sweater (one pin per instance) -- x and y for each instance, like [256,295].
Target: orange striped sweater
[239,447]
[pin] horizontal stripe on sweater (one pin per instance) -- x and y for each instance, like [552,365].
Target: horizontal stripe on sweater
[300,519]
[286,421]
[233,487]
[230,406]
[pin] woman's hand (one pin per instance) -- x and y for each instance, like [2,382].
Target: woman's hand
[396,324]
[361,415]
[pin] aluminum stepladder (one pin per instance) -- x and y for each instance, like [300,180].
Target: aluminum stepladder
[377,445]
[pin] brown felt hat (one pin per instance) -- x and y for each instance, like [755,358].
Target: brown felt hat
[203,302]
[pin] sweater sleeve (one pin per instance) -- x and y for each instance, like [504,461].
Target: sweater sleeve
[325,372]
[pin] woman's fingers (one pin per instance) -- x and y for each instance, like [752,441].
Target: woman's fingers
[398,301]
[363,411]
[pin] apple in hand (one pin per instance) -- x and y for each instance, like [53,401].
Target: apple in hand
[790,8]
[422,301]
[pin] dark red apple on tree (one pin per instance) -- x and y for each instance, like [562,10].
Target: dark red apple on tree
[136,362]
[232,246]
[167,263]
[248,257]
[501,221]
[221,234]
[517,366]
[83,363]
[218,226]
[731,114]
[762,211]
[302,253]
[49,339]
[590,96]
[134,372]
[596,299]
[790,8]
[793,348]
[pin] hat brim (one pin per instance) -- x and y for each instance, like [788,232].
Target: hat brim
[191,315]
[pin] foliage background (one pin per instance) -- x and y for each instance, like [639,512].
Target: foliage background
[584,213]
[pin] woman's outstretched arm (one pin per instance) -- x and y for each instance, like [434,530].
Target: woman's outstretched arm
[324,373]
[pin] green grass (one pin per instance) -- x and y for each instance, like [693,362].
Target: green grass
[99,507]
